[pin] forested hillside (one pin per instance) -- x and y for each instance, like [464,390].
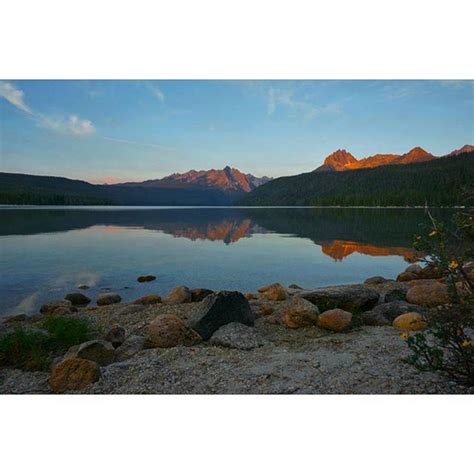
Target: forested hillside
[440,182]
[29,189]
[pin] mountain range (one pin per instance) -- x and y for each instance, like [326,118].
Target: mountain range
[412,178]
[341,160]
[415,178]
[194,188]
[227,180]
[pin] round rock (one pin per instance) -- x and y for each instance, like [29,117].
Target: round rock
[178,295]
[167,330]
[77,299]
[115,335]
[73,374]
[148,299]
[49,308]
[145,278]
[298,313]
[105,299]
[274,292]
[410,322]
[101,352]
[336,320]
[432,294]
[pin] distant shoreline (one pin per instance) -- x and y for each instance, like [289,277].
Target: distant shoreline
[114,206]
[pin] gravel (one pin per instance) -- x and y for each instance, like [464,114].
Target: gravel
[365,360]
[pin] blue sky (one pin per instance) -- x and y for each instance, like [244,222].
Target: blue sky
[112,131]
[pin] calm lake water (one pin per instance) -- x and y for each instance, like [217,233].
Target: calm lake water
[47,252]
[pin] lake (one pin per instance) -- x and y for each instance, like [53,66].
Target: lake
[46,252]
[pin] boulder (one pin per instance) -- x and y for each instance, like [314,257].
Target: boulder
[77,299]
[265,309]
[397,294]
[336,320]
[384,314]
[298,313]
[410,322]
[352,298]
[167,330]
[145,278]
[274,292]
[17,318]
[294,286]
[63,311]
[250,296]
[105,299]
[101,352]
[407,276]
[115,335]
[148,299]
[73,374]
[131,346]
[433,294]
[421,282]
[376,280]
[236,336]
[83,287]
[430,272]
[178,295]
[219,309]
[49,308]
[413,268]
[198,294]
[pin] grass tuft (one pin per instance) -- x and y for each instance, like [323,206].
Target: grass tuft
[33,348]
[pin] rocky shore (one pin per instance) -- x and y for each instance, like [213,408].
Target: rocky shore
[279,340]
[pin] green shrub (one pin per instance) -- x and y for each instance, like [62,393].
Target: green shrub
[33,349]
[447,346]
[66,331]
[24,349]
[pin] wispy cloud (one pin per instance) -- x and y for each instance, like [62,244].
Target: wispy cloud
[286,98]
[12,94]
[135,143]
[155,91]
[72,125]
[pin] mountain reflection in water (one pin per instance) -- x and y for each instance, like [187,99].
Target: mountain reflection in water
[48,252]
[339,232]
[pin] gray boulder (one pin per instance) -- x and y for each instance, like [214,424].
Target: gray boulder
[105,299]
[236,336]
[115,335]
[145,278]
[101,352]
[50,308]
[384,314]
[397,294]
[375,280]
[198,294]
[219,309]
[354,298]
[131,346]
[77,299]
[178,295]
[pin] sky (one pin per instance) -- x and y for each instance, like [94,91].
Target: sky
[115,131]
